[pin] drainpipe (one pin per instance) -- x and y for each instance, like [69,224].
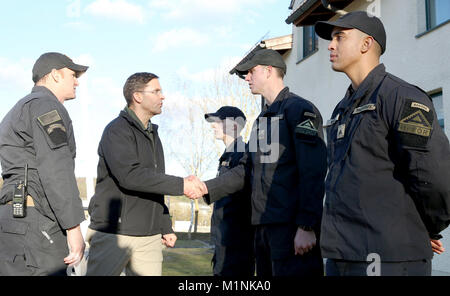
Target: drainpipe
[332,8]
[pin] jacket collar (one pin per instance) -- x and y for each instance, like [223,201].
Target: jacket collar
[235,143]
[275,107]
[136,123]
[43,89]
[369,84]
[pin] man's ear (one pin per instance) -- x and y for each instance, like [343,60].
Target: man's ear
[137,97]
[56,75]
[269,71]
[367,44]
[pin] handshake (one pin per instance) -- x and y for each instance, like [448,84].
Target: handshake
[194,188]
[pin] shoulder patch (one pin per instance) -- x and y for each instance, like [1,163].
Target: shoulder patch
[420,106]
[415,124]
[49,118]
[309,114]
[54,128]
[306,128]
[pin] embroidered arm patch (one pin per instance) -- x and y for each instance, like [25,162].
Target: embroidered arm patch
[306,128]
[53,126]
[416,124]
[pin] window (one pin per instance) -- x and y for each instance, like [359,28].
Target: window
[438,12]
[439,107]
[310,43]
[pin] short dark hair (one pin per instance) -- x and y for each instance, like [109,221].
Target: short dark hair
[280,72]
[136,82]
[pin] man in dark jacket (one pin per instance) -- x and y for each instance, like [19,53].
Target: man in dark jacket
[128,214]
[38,132]
[388,189]
[231,230]
[287,163]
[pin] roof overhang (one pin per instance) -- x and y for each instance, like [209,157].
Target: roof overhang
[312,11]
[281,44]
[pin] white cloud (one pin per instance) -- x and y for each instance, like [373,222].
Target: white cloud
[117,10]
[210,74]
[177,9]
[175,38]
[15,74]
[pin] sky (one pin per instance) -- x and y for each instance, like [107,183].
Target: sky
[179,40]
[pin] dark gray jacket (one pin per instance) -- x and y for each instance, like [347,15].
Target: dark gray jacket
[231,218]
[38,132]
[287,181]
[388,189]
[131,181]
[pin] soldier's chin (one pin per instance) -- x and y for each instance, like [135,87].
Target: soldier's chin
[70,99]
[336,68]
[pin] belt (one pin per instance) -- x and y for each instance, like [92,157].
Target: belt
[30,202]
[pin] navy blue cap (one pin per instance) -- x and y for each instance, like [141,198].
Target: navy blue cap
[361,20]
[225,112]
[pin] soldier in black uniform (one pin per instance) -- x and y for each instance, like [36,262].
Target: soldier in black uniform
[388,189]
[231,230]
[287,165]
[38,132]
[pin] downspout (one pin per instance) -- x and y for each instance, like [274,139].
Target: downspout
[332,8]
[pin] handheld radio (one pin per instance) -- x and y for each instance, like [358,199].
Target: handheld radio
[19,205]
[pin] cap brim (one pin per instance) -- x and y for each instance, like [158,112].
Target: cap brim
[212,117]
[245,67]
[324,29]
[78,69]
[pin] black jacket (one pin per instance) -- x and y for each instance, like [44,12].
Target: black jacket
[131,182]
[388,189]
[287,173]
[38,131]
[231,218]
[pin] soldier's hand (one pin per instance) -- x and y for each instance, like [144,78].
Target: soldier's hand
[194,188]
[437,246]
[76,246]
[304,241]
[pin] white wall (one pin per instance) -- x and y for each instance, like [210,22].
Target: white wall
[423,61]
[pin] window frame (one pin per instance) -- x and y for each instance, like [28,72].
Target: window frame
[429,19]
[314,40]
[303,53]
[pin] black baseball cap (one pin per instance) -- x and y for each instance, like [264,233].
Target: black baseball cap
[361,20]
[225,112]
[265,57]
[54,60]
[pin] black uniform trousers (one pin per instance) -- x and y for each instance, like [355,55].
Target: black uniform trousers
[233,260]
[31,246]
[275,254]
[354,268]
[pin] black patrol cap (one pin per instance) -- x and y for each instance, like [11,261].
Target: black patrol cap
[225,112]
[265,57]
[361,20]
[54,60]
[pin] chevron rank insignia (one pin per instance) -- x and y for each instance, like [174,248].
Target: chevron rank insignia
[416,124]
[306,128]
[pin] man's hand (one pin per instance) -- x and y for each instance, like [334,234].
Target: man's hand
[194,188]
[169,240]
[76,246]
[437,246]
[304,241]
